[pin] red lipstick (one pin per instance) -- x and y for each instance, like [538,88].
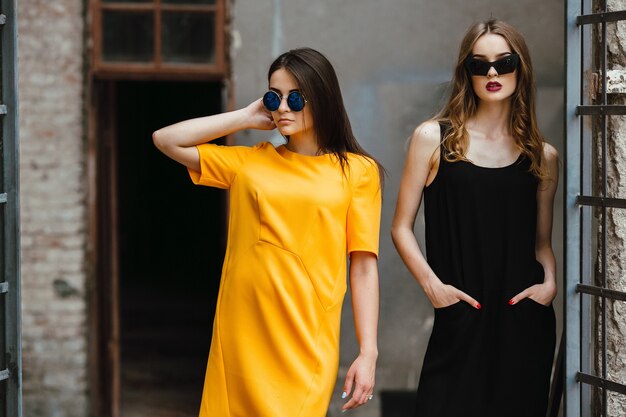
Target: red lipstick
[493,86]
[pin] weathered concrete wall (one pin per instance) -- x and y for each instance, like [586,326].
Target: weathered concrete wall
[394,60]
[616,218]
[52,207]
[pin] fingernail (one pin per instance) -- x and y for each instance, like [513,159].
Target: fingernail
[478,306]
[344,395]
[511,302]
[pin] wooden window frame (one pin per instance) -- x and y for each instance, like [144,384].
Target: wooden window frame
[158,69]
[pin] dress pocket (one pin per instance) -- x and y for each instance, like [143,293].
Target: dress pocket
[453,312]
[451,306]
[531,301]
[453,325]
[534,309]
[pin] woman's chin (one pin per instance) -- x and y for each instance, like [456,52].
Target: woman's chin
[287,131]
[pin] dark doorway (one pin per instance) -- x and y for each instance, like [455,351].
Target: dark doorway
[169,241]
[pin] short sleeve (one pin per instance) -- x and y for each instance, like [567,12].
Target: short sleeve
[363,222]
[219,164]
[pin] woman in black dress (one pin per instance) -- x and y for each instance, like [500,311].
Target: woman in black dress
[488,179]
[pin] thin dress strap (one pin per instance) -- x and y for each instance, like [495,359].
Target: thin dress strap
[444,129]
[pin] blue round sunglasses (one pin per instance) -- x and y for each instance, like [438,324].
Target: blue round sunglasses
[272,100]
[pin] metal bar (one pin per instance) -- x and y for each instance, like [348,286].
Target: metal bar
[572,227]
[601,109]
[4,287]
[10,233]
[587,200]
[601,292]
[601,17]
[602,383]
[4,374]
[604,148]
[588,239]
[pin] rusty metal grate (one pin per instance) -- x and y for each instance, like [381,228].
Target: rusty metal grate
[10,361]
[586,195]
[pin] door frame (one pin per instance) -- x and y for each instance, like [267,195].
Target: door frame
[103,267]
[103,254]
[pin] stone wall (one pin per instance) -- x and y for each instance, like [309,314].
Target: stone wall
[616,218]
[52,171]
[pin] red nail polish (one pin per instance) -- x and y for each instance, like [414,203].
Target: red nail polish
[511,302]
[478,306]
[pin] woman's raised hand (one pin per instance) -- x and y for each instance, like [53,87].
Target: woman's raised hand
[258,117]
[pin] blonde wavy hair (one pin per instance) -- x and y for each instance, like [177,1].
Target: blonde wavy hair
[463,102]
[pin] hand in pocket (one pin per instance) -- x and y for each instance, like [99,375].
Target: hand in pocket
[443,295]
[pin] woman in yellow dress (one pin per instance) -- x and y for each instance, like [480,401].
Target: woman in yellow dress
[296,212]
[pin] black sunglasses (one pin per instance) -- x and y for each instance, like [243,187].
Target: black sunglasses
[504,65]
[272,100]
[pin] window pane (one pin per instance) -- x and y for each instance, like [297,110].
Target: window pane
[188,1]
[127,36]
[188,37]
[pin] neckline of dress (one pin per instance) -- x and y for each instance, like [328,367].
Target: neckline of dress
[287,153]
[517,160]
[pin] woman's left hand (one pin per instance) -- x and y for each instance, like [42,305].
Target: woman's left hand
[359,382]
[540,293]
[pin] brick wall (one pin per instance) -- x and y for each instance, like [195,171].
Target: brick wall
[52,170]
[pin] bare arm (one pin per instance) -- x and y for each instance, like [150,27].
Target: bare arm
[544,293]
[178,141]
[420,168]
[365,299]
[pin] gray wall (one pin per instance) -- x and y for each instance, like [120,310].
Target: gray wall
[394,59]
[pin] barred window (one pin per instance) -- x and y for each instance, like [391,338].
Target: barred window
[158,38]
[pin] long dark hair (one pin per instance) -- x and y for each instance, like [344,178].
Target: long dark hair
[318,83]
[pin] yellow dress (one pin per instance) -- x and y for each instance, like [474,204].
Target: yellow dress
[293,219]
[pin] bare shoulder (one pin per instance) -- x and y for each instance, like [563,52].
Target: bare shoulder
[550,153]
[551,160]
[426,136]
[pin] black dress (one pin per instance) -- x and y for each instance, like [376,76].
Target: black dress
[480,238]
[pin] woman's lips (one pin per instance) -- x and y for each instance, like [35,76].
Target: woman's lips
[284,121]
[494,86]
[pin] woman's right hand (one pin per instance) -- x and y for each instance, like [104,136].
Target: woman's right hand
[258,117]
[444,295]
